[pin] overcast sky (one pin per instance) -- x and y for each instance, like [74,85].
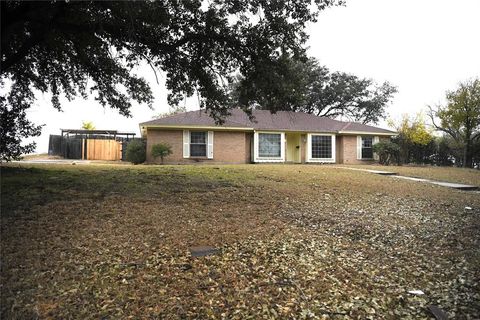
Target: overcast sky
[424,47]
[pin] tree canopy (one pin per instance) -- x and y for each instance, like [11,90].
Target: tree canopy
[80,48]
[298,84]
[460,117]
[88,125]
[414,138]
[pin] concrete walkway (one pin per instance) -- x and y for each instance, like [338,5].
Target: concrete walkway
[459,186]
[383,173]
[54,161]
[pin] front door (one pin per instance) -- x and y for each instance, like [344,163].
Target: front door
[293,141]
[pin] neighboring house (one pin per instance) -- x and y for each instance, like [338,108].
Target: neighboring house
[280,137]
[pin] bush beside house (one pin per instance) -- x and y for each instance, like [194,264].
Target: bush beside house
[136,151]
[161,150]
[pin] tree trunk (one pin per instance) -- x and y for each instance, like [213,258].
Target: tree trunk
[467,154]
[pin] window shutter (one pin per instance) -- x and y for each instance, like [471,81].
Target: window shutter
[255,146]
[359,147]
[210,145]
[186,144]
[309,148]
[334,148]
[283,142]
[376,139]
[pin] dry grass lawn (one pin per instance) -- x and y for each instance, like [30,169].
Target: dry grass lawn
[296,241]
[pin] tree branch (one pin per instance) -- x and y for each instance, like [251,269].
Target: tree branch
[452,133]
[38,35]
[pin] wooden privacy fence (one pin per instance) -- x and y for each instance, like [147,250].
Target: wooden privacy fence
[99,149]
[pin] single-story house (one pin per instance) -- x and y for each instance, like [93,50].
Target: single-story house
[291,137]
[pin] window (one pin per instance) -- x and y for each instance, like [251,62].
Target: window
[198,144]
[321,147]
[367,150]
[269,145]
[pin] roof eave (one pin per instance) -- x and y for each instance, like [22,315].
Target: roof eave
[370,133]
[196,127]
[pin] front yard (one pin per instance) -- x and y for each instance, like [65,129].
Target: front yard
[296,241]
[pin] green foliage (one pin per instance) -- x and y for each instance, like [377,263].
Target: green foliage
[161,150]
[413,130]
[460,118]
[88,125]
[82,48]
[14,125]
[445,152]
[136,151]
[388,152]
[414,139]
[305,85]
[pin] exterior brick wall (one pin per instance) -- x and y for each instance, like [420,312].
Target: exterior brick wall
[228,147]
[248,147]
[236,147]
[349,150]
[338,149]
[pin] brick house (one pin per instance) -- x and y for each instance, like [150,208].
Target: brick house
[285,136]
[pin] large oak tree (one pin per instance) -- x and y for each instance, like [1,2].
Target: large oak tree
[80,48]
[303,85]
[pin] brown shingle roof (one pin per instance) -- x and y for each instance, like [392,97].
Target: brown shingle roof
[264,120]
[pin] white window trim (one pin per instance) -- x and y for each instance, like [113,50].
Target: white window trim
[375,140]
[186,145]
[309,148]
[256,158]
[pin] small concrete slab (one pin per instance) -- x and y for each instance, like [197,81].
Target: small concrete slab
[202,251]
[383,173]
[438,313]
[455,185]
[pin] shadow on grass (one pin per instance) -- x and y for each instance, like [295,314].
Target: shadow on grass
[25,187]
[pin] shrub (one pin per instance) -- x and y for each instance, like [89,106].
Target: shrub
[161,150]
[387,151]
[136,152]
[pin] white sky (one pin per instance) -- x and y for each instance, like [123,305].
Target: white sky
[424,47]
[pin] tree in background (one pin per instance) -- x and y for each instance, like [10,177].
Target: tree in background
[460,118]
[161,150]
[476,154]
[172,111]
[445,153]
[78,48]
[88,125]
[414,139]
[306,86]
